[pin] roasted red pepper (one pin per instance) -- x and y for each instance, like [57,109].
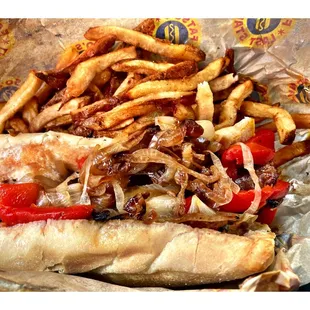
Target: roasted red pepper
[188,202]
[261,146]
[261,154]
[266,215]
[12,216]
[264,137]
[80,162]
[242,201]
[19,195]
[280,189]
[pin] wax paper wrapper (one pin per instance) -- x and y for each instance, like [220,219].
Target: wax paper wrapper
[272,51]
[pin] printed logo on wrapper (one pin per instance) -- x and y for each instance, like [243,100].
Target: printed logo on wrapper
[178,30]
[8,87]
[300,91]
[261,32]
[81,46]
[6,39]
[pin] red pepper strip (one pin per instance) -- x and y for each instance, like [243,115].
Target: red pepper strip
[12,216]
[80,162]
[242,201]
[280,189]
[266,215]
[261,154]
[232,170]
[264,137]
[188,202]
[19,195]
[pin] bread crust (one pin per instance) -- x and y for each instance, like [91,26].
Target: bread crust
[132,253]
[51,154]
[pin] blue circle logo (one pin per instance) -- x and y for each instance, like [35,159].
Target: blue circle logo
[173,31]
[7,92]
[262,25]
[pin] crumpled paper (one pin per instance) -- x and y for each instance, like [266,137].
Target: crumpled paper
[274,52]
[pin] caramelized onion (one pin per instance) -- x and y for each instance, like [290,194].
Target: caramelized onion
[248,163]
[152,155]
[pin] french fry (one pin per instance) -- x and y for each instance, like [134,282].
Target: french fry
[43,93]
[240,132]
[290,152]
[84,73]
[223,82]
[302,121]
[59,121]
[30,110]
[102,121]
[18,125]
[283,120]
[177,71]
[141,66]
[55,79]
[131,80]
[204,99]
[96,92]
[58,97]
[210,72]
[20,98]
[233,103]
[148,43]
[85,112]
[67,57]
[137,107]
[56,111]
[183,112]
[222,94]
[102,78]
[123,124]
[2,104]
[100,47]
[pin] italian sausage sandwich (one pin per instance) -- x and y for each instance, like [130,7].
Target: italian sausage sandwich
[145,172]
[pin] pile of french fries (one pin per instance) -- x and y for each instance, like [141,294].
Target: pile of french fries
[115,88]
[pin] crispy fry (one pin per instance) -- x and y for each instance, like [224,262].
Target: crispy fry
[183,112]
[20,98]
[100,47]
[56,80]
[223,82]
[105,120]
[233,103]
[43,93]
[146,42]
[56,111]
[59,121]
[290,152]
[58,97]
[2,104]
[230,53]
[141,66]
[210,72]
[85,112]
[123,124]
[223,94]
[283,120]
[18,125]
[302,121]
[96,92]
[67,57]
[87,70]
[102,78]
[80,131]
[131,80]
[204,99]
[137,107]
[240,132]
[30,110]
[147,26]
[177,71]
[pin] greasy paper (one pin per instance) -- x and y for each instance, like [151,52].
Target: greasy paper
[273,51]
